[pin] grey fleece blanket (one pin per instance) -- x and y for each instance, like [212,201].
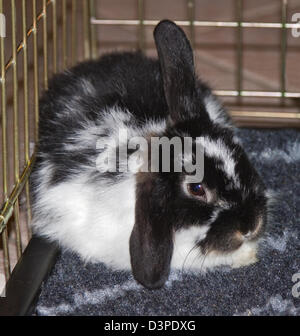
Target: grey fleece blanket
[269,287]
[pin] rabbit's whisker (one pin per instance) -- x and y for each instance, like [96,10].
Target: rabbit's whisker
[185,259]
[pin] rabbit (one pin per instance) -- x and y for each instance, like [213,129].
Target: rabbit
[146,222]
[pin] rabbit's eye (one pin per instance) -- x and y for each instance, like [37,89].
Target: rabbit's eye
[197,190]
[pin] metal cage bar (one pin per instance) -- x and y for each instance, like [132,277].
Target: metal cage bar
[239,56]
[45,44]
[283,46]
[191,15]
[15,125]
[197,23]
[21,113]
[35,68]
[64,33]
[26,108]
[141,25]
[74,32]
[86,29]
[233,24]
[6,260]
[54,35]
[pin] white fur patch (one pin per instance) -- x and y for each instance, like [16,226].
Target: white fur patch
[216,111]
[188,257]
[117,125]
[218,150]
[93,220]
[87,86]
[185,254]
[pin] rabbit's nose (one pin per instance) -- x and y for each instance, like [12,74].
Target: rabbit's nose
[257,228]
[248,235]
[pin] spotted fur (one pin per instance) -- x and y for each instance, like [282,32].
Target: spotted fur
[147,222]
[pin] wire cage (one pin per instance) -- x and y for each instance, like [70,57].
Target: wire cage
[46,36]
[42,37]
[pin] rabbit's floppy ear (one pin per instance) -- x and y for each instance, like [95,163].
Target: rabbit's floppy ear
[177,65]
[151,241]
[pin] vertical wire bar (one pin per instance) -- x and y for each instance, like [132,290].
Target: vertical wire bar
[64,33]
[141,25]
[239,37]
[4,150]
[15,90]
[283,48]
[26,115]
[86,33]
[74,33]
[25,82]
[28,206]
[45,45]
[191,14]
[54,36]
[15,124]
[4,117]
[35,71]
[6,254]
[93,30]
[18,231]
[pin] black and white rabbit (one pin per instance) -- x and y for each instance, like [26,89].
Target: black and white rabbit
[151,221]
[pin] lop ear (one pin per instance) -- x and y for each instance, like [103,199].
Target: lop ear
[177,65]
[151,241]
